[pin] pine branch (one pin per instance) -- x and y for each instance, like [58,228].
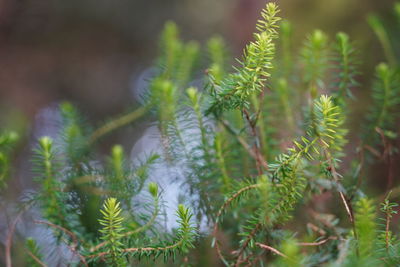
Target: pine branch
[314,58]
[346,66]
[234,91]
[111,231]
[183,241]
[34,254]
[217,53]
[153,189]
[7,142]
[377,26]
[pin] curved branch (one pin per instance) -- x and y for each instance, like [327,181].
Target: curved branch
[10,234]
[73,248]
[117,123]
[9,239]
[221,211]
[38,261]
[274,250]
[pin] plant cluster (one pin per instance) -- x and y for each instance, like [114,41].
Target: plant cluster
[257,144]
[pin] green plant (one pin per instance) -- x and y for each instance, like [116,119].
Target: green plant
[258,146]
[7,141]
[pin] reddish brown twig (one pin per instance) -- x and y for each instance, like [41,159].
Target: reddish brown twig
[38,261]
[74,247]
[336,178]
[359,169]
[245,145]
[246,243]
[317,229]
[9,238]
[387,157]
[274,250]
[319,243]
[257,149]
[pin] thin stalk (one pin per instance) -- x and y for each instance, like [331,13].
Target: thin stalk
[117,123]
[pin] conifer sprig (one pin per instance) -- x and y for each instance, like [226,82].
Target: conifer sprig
[46,169]
[35,256]
[183,241]
[112,231]
[314,59]
[250,77]
[7,142]
[386,97]
[346,68]
[217,53]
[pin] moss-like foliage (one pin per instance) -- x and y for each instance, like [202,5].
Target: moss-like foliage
[262,148]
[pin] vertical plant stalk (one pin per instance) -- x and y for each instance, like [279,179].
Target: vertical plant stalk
[259,120]
[345,202]
[9,239]
[376,24]
[387,157]
[256,146]
[221,161]
[243,142]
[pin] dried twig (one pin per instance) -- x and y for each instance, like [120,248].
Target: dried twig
[274,250]
[38,261]
[73,248]
[9,238]
[246,243]
[336,178]
[319,243]
[387,156]
[257,149]
[244,144]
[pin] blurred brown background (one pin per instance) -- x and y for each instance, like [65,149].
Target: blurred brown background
[89,51]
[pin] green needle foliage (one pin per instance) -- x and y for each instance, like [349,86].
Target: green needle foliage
[254,68]
[386,97]
[267,162]
[314,57]
[346,68]
[35,258]
[218,57]
[7,142]
[111,231]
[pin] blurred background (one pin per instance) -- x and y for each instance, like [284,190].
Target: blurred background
[90,51]
[93,52]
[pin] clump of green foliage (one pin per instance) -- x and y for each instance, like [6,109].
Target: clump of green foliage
[259,144]
[7,141]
